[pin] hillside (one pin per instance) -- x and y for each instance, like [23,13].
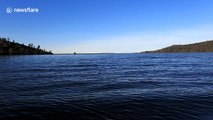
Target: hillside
[12,48]
[206,46]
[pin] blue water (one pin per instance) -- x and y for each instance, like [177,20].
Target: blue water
[107,87]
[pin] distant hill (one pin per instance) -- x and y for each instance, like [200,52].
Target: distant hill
[206,46]
[12,48]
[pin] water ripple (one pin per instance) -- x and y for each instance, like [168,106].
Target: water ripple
[107,86]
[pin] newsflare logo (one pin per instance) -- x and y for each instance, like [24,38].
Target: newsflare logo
[10,10]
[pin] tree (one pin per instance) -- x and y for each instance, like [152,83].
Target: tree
[38,47]
[30,45]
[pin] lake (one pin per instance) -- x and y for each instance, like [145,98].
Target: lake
[107,87]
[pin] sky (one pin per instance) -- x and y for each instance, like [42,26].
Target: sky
[107,26]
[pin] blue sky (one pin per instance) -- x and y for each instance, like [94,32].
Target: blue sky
[65,26]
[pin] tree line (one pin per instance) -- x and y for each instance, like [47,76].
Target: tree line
[8,47]
[206,46]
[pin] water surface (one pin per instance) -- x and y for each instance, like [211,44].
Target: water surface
[107,86]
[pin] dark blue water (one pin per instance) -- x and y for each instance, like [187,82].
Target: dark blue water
[107,87]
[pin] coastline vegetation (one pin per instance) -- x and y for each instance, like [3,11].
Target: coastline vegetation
[206,46]
[8,47]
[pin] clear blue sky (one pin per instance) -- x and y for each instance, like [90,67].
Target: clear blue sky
[65,26]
